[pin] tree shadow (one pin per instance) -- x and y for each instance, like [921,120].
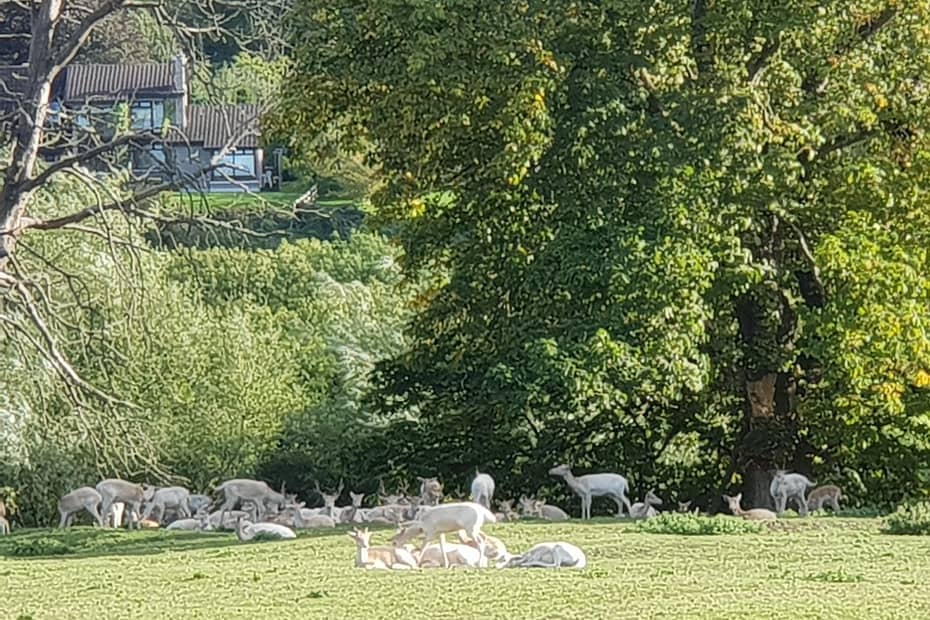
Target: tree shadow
[89,542]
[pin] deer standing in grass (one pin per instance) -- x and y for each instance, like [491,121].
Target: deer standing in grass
[482,489]
[785,487]
[84,498]
[254,491]
[829,494]
[586,487]
[436,521]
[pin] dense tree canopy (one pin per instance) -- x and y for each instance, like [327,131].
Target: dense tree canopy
[682,238]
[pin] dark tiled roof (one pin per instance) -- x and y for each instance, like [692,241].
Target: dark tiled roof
[12,84]
[214,126]
[118,81]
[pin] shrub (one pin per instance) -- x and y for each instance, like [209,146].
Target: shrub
[695,525]
[911,519]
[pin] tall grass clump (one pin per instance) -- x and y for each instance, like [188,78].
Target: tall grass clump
[911,519]
[696,525]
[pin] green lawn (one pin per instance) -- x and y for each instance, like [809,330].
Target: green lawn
[813,568]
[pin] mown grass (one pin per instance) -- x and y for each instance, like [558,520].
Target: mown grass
[802,568]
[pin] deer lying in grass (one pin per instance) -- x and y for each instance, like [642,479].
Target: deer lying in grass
[355,513]
[329,501]
[84,498]
[539,509]
[383,556]
[220,521]
[753,514]
[455,555]
[176,498]
[587,487]
[255,491]
[548,555]
[391,514]
[646,508]
[4,524]
[430,491]
[828,493]
[446,518]
[308,520]
[246,530]
[394,499]
[131,495]
[785,487]
[482,489]
[494,547]
[199,523]
[507,513]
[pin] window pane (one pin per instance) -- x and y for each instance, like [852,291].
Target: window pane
[158,114]
[238,164]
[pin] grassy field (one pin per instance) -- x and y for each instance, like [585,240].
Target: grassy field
[811,568]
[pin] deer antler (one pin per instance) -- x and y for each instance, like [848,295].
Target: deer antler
[341,487]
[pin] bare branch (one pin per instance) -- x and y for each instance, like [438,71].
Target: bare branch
[134,139]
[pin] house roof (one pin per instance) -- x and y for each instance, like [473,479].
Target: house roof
[215,126]
[12,84]
[120,81]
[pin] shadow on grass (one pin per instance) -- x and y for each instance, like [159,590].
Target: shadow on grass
[89,542]
[84,542]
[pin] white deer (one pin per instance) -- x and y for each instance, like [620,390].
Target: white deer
[445,518]
[785,487]
[586,487]
[482,489]
[548,555]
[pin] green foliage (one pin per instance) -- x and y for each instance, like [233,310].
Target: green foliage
[632,212]
[247,78]
[696,525]
[909,519]
[226,360]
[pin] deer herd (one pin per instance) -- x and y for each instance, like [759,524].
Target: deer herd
[254,510]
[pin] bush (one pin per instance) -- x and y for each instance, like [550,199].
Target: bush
[912,519]
[695,525]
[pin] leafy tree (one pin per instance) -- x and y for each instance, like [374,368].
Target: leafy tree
[248,78]
[644,210]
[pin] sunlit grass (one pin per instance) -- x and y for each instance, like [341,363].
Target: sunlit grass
[802,568]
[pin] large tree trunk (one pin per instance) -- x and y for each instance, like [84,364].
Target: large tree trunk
[770,429]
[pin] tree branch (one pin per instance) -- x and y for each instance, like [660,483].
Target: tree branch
[136,139]
[757,63]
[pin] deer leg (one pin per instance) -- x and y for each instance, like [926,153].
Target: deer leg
[98,520]
[835,504]
[105,510]
[442,551]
